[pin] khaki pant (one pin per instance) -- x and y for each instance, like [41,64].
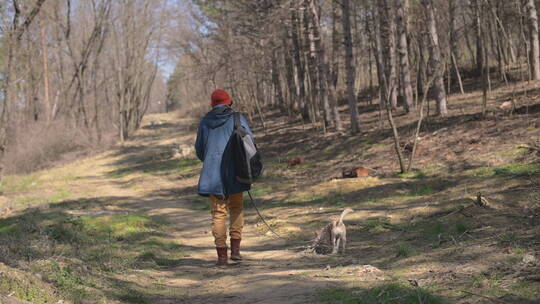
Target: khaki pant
[234,204]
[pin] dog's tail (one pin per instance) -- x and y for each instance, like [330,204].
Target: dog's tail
[343,214]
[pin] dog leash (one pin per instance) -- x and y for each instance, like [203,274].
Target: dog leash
[262,218]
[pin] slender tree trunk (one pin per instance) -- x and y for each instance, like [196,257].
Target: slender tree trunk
[289,73]
[334,73]
[403,51]
[454,44]
[277,83]
[345,6]
[322,64]
[421,76]
[336,41]
[45,53]
[388,34]
[534,41]
[299,63]
[436,63]
[312,62]
[475,6]
[376,30]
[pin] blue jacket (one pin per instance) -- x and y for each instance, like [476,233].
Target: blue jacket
[212,146]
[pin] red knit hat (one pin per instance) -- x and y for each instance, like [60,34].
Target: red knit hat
[220,97]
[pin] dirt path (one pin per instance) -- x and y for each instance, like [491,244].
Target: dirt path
[270,273]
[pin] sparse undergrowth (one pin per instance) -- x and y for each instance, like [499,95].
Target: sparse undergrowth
[389,293]
[79,255]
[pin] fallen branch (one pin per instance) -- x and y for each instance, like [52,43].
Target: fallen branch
[448,213]
[534,148]
[482,296]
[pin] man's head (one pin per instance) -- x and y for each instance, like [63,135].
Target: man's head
[220,97]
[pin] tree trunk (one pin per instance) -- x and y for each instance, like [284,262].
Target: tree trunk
[312,62]
[533,37]
[289,73]
[436,63]
[276,82]
[454,51]
[388,34]
[349,66]
[322,64]
[45,53]
[475,6]
[404,69]
[334,69]
[300,68]
[336,41]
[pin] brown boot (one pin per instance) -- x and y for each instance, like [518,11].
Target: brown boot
[235,250]
[222,256]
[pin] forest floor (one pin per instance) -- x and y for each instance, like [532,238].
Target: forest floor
[127,226]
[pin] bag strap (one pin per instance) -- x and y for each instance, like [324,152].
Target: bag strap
[237,123]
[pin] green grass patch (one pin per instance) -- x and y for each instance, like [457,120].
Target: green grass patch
[389,293]
[261,190]
[119,226]
[377,225]
[489,284]
[513,169]
[404,250]
[421,191]
[26,288]
[413,174]
[68,281]
[479,172]
[27,200]
[5,226]
[19,183]
[460,228]
[518,169]
[59,196]
[525,289]
[433,231]
[105,245]
[513,153]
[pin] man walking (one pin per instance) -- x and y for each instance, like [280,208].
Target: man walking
[218,179]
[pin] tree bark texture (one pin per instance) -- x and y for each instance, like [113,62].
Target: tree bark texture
[436,63]
[403,51]
[349,65]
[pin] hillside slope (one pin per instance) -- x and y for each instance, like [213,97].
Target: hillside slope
[127,226]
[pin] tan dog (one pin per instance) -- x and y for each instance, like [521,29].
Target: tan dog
[335,233]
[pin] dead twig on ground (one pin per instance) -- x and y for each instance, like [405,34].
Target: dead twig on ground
[530,147]
[482,296]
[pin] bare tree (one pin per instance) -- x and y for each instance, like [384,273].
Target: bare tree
[530,7]
[403,51]
[13,36]
[436,62]
[351,96]
[388,42]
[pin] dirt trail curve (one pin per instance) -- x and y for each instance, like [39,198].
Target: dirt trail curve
[273,271]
